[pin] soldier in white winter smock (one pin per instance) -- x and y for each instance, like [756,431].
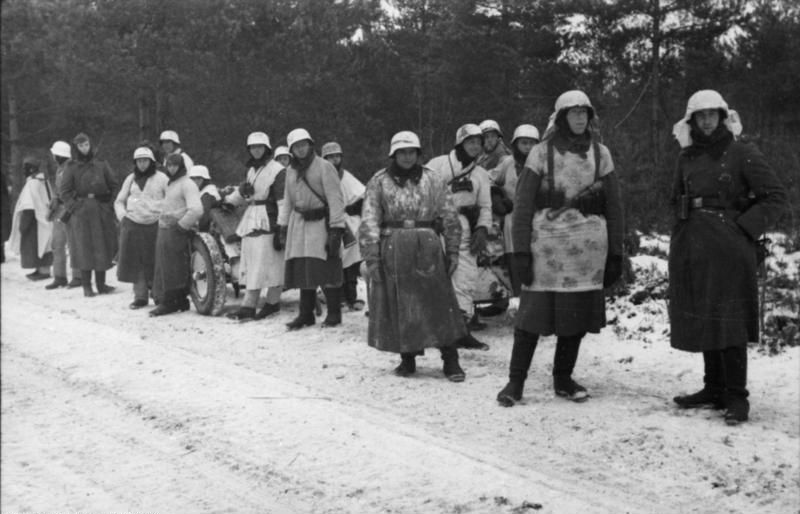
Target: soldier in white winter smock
[353,193]
[261,265]
[138,206]
[470,187]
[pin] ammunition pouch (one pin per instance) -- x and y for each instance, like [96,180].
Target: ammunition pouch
[313,214]
[462,184]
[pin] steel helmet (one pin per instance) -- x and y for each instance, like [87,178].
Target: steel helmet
[404,139]
[525,131]
[489,125]
[199,171]
[331,148]
[574,98]
[170,135]
[296,136]
[31,161]
[282,150]
[467,131]
[143,153]
[61,149]
[258,138]
[701,100]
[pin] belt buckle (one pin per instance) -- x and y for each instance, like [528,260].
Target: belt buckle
[90,195]
[409,223]
[697,202]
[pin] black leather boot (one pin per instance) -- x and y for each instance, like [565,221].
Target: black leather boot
[408,365]
[734,363]
[712,394]
[306,317]
[333,299]
[521,357]
[567,348]
[86,282]
[452,370]
[100,279]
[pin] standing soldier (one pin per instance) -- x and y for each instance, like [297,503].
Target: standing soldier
[505,176]
[62,153]
[494,148]
[32,233]
[727,196]
[261,265]
[353,193]
[171,145]
[88,190]
[138,206]
[180,211]
[470,186]
[411,301]
[568,244]
[312,220]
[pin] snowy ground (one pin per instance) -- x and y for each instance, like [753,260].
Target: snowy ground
[107,410]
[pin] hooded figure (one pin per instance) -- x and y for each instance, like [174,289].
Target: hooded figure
[567,236]
[180,211]
[32,232]
[726,195]
[88,190]
[412,305]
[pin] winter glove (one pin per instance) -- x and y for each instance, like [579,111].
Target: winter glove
[246,189]
[523,266]
[372,259]
[501,203]
[478,244]
[279,238]
[334,243]
[613,270]
[450,263]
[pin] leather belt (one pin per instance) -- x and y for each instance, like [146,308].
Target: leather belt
[408,224]
[700,202]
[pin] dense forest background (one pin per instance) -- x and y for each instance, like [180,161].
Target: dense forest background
[358,71]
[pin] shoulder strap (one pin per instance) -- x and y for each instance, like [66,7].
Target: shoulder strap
[551,183]
[596,148]
[319,196]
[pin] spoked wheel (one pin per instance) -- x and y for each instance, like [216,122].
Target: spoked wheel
[208,288]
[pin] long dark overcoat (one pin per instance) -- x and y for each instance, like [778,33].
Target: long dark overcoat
[713,291]
[413,306]
[88,189]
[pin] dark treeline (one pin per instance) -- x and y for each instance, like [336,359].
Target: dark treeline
[359,71]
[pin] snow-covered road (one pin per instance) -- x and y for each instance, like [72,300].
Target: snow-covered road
[107,410]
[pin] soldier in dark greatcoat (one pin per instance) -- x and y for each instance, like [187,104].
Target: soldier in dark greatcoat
[726,196]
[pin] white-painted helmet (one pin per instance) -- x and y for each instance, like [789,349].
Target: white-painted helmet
[525,131]
[404,139]
[489,125]
[144,153]
[258,138]
[170,135]
[331,148]
[467,131]
[199,171]
[61,149]
[282,150]
[296,136]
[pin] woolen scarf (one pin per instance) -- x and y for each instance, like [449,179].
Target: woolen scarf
[140,177]
[565,140]
[714,144]
[401,176]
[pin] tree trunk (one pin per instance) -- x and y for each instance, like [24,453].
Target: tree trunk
[143,117]
[655,136]
[15,165]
